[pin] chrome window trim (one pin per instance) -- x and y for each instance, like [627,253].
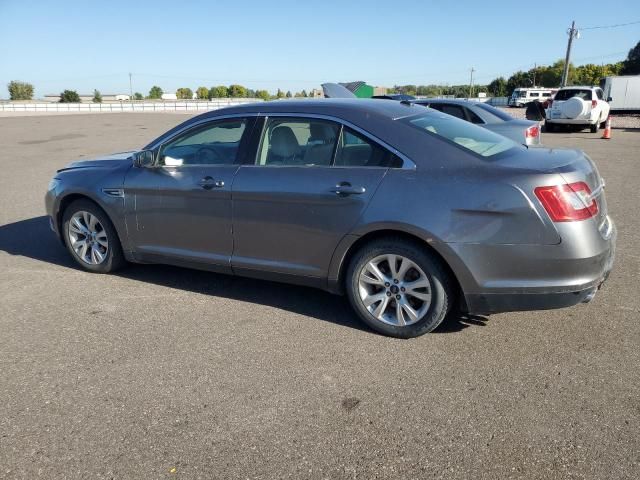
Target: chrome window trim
[407,163]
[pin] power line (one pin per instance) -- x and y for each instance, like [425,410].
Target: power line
[611,26]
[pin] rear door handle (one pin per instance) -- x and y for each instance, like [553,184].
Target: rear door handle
[208,183]
[345,188]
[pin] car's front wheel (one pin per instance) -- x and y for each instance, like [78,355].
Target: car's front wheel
[91,238]
[398,288]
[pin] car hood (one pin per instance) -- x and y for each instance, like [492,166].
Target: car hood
[111,161]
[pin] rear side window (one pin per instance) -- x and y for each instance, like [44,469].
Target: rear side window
[298,141]
[497,113]
[581,93]
[464,134]
[534,94]
[355,150]
[473,118]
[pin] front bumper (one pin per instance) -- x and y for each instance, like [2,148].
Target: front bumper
[542,278]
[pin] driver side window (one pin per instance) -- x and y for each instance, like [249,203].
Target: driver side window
[215,143]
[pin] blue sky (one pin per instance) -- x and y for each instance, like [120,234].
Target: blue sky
[82,45]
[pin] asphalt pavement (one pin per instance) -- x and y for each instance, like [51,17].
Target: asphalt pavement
[162,372]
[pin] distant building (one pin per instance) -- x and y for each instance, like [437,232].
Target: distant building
[316,93]
[359,89]
[380,90]
[85,97]
[169,96]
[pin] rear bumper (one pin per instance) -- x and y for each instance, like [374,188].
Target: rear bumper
[536,282]
[572,121]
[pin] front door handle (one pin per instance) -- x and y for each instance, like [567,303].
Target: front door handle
[345,188]
[208,183]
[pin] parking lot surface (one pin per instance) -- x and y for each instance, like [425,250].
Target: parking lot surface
[162,372]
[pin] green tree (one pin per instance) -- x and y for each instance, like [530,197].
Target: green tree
[304,93]
[138,96]
[288,94]
[518,79]
[631,66]
[184,93]
[237,91]
[20,90]
[498,87]
[69,96]
[97,97]
[218,92]
[155,93]
[263,94]
[279,94]
[202,93]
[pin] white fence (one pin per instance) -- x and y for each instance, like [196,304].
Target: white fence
[124,106]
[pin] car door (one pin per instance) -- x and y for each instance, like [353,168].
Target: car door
[309,184]
[179,210]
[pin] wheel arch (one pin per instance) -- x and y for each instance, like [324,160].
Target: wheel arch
[71,197]
[343,256]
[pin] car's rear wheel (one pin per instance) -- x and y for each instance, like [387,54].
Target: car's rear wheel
[398,288]
[594,128]
[91,238]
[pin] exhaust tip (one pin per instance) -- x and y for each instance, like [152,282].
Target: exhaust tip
[590,296]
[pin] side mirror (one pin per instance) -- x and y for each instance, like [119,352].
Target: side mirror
[143,159]
[609,99]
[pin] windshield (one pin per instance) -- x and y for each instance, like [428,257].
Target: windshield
[495,111]
[467,135]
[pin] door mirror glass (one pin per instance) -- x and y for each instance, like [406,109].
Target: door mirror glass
[143,159]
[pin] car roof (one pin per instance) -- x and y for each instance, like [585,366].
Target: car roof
[341,107]
[584,87]
[445,100]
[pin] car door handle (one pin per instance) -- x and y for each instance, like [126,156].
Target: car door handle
[345,188]
[208,183]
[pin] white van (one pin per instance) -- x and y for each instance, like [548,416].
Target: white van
[521,96]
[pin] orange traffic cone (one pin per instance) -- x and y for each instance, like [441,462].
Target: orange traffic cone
[607,129]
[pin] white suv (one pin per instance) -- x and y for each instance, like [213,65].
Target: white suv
[577,106]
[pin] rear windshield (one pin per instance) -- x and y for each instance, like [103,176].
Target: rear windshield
[467,135]
[495,112]
[573,92]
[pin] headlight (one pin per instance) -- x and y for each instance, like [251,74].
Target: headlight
[53,184]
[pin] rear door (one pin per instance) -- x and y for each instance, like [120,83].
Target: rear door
[310,183]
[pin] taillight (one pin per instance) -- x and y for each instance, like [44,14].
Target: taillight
[569,202]
[594,103]
[532,132]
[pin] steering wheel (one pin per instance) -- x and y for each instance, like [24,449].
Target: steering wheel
[208,155]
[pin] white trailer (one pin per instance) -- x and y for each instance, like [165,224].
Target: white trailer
[622,93]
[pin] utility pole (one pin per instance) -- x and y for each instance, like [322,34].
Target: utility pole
[573,33]
[535,68]
[471,83]
[130,88]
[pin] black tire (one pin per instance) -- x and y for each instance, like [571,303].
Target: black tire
[114,258]
[549,127]
[441,285]
[594,128]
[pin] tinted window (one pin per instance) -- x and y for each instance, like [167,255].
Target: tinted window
[471,137]
[570,93]
[534,94]
[473,118]
[355,150]
[599,94]
[495,112]
[291,141]
[453,110]
[216,143]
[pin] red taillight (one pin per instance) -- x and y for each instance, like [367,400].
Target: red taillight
[532,132]
[594,103]
[567,203]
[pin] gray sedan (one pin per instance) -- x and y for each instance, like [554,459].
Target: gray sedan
[525,132]
[409,212]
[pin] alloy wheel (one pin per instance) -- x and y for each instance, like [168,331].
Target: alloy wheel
[394,289]
[88,238]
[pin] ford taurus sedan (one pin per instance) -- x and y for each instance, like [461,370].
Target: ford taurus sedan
[410,212]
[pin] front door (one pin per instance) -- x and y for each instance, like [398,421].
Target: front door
[310,184]
[180,209]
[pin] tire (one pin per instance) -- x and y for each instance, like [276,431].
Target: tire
[422,265]
[111,258]
[549,127]
[594,127]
